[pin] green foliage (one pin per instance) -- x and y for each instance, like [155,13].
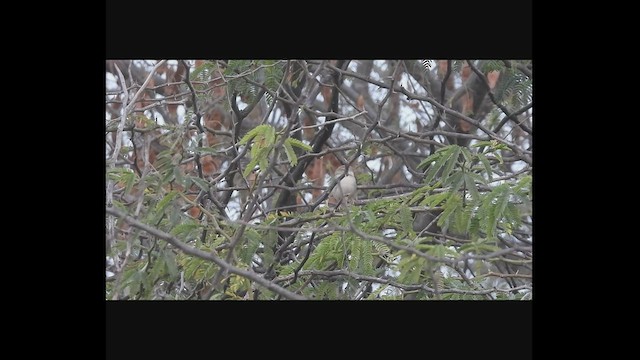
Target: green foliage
[383,251]
[361,256]
[410,268]
[514,88]
[246,252]
[289,143]
[299,144]
[123,175]
[444,158]
[452,206]
[492,65]
[273,73]
[331,249]
[166,200]
[241,74]
[203,71]
[473,198]
[480,246]
[493,208]
[201,183]
[264,139]
[326,291]
[237,285]
[197,269]
[466,209]
[188,230]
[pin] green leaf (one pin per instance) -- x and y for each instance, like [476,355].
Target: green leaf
[299,144]
[177,172]
[264,163]
[483,143]
[456,180]
[499,157]
[492,65]
[185,229]
[249,249]
[479,179]
[162,204]
[410,268]
[445,157]
[288,269]
[418,194]
[170,264]
[452,159]
[381,249]
[366,258]
[324,252]
[127,176]
[270,135]
[462,221]
[260,129]
[355,254]
[433,170]
[453,204]
[479,247]
[470,184]
[523,184]
[405,218]
[370,216]
[435,199]
[291,155]
[432,158]
[468,157]
[250,166]
[326,290]
[259,157]
[502,200]
[485,163]
[189,266]
[492,208]
[474,227]
[201,183]
[441,251]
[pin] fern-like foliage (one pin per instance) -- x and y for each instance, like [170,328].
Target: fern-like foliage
[243,72]
[459,173]
[514,88]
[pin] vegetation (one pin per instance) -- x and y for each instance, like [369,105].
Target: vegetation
[218,173]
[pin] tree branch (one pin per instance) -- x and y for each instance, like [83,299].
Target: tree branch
[205,255]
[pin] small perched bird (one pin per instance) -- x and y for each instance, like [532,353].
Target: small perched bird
[345,189]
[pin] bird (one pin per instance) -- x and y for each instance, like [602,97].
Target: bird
[345,189]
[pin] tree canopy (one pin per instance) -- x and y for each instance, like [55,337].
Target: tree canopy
[218,174]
